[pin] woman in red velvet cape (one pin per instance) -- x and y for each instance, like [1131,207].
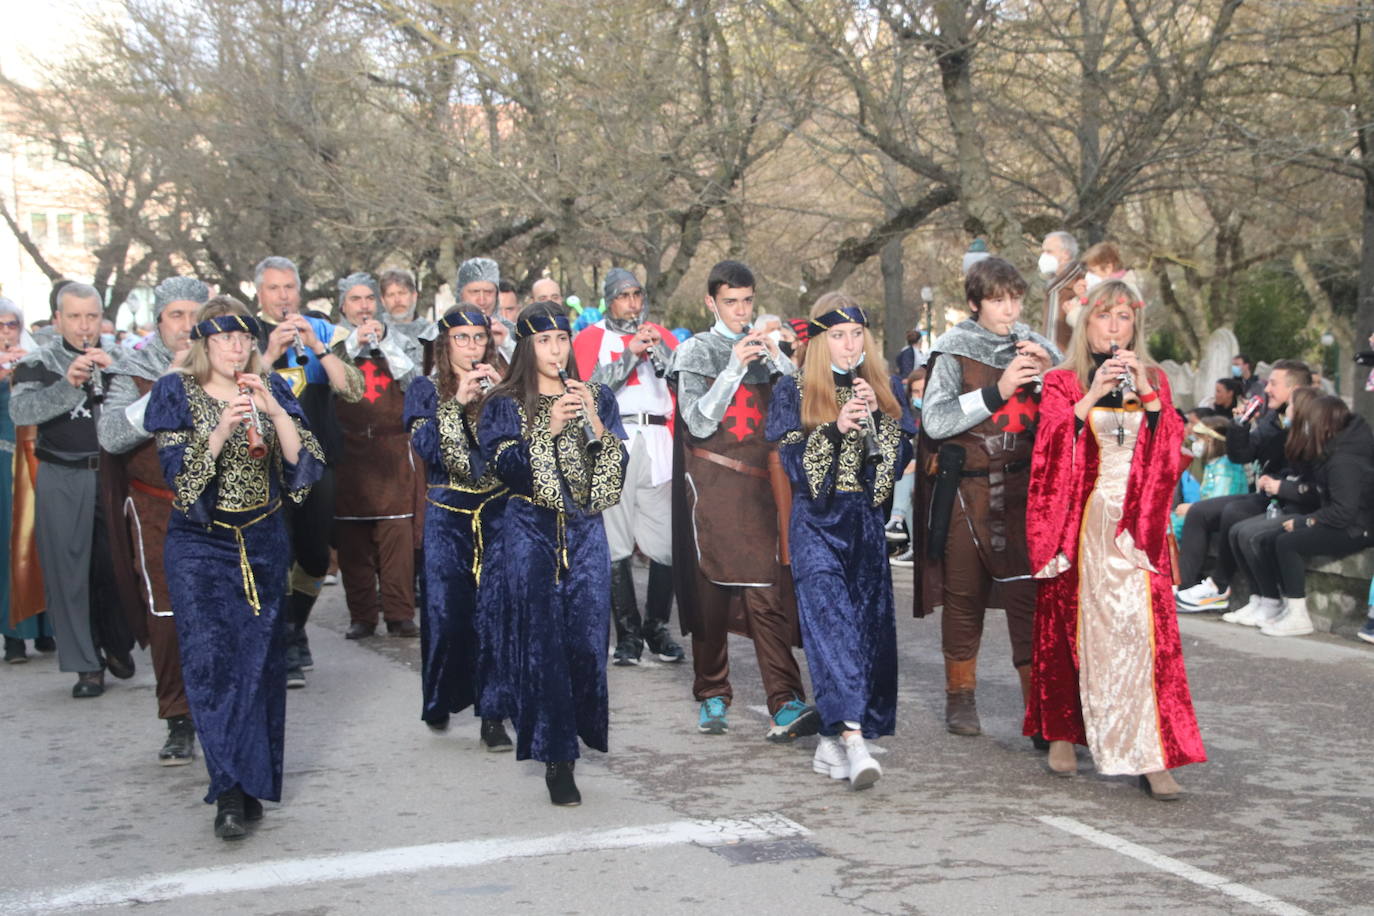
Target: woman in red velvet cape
[1108,665]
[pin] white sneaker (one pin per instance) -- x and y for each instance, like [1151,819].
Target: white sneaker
[830,759]
[1256,612]
[1195,594]
[863,769]
[1292,622]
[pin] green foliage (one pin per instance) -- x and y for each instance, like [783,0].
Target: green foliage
[1271,315]
[1164,344]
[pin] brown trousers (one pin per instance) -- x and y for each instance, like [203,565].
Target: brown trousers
[772,628]
[171,689]
[372,552]
[968,586]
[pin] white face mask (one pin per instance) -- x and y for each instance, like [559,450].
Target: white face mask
[1091,279]
[1049,264]
[1199,449]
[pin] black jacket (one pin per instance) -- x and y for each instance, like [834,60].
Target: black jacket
[1264,443]
[1345,478]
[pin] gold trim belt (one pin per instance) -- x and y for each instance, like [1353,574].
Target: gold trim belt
[476,513]
[250,585]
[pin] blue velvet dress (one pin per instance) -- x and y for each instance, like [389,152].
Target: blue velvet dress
[226,557]
[839,559]
[547,575]
[460,666]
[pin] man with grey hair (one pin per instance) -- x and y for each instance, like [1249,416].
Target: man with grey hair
[479,285]
[374,507]
[1056,251]
[59,388]
[141,504]
[308,352]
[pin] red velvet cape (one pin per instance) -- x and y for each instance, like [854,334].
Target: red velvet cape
[1063,474]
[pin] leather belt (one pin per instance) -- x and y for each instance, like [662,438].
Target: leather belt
[376,432]
[644,419]
[1011,467]
[737,466]
[158,492]
[85,464]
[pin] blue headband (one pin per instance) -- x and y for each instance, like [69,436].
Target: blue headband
[222,323]
[850,313]
[538,324]
[457,318]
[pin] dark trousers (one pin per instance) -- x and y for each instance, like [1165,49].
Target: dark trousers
[968,586]
[1214,516]
[771,624]
[375,553]
[309,525]
[1280,565]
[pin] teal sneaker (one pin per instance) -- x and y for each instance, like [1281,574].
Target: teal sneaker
[712,719]
[794,720]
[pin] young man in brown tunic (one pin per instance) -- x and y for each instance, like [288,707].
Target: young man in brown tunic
[141,504]
[374,503]
[728,565]
[978,422]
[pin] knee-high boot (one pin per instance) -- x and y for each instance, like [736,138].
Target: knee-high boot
[657,609]
[1025,673]
[629,639]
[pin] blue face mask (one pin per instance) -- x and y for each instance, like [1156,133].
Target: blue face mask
[857,363]
[916,403]
[723,330]
[1235,372]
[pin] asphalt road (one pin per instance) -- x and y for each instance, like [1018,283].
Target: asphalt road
[382,816]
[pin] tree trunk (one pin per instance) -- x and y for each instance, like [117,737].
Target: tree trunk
[1364,312]
[896,316]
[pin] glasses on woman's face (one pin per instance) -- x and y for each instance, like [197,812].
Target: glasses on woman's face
[463,339]
[9,325]
[235,341]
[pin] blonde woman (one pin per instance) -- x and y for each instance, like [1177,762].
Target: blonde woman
[1107,664]
[227,549]
[843,438]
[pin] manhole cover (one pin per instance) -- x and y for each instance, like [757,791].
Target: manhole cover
[770,851]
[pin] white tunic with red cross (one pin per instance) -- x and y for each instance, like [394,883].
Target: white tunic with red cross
[642,393]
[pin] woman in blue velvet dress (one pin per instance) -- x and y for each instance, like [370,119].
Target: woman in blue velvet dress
[556,444]
[227,549]
[843,439]
[460,667]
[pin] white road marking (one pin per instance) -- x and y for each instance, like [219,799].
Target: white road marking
[873,749]
[400,860]
[1175,867]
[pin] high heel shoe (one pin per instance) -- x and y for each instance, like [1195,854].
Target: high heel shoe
[1165,795]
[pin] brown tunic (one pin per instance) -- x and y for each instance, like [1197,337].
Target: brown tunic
[992,493]
[375,473]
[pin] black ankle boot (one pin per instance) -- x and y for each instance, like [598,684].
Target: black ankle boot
[494,736]
[629,641]
[252,808]
[658,608]
[558,776]
[15,653]
[181,742]
[229,816]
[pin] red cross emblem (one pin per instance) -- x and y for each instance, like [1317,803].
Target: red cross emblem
[1020,414]
[743,419]
[378,380]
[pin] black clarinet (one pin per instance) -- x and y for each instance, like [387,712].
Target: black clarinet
[873,453]
[1039,381]
[588,431]
[95,385]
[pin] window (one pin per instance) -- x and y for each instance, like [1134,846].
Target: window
[38,227]
[90,228]
[65,235]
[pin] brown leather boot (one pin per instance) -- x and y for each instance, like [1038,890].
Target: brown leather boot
[961,711]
